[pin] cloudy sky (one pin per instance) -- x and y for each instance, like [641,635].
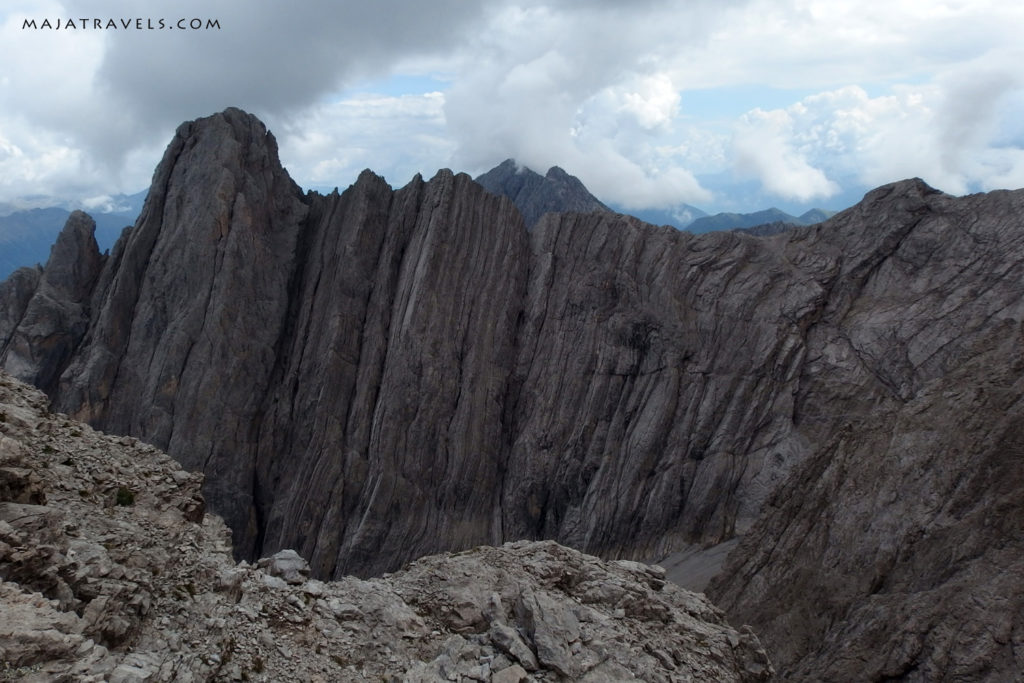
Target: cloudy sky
[724,104]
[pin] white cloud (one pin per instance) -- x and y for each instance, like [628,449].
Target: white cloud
[399,136]
[767,146]
[105,99]
[653,101]
[904,87]
[582,87]
[945,132]
[966,124]
[104,203]
[35,164]
[43,102]
[824,43]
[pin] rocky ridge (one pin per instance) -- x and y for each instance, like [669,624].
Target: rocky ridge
[110,570]
[379,374]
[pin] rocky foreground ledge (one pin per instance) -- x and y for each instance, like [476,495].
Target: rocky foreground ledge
[112,571]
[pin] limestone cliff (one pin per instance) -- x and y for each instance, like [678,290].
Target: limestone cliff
[896,550]
[379,374]
[45,315]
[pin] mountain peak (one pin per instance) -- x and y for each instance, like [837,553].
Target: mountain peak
[907,188]
[239,121]
[228,132]
[212,163]
[75,259]
[535,195]
[557,172]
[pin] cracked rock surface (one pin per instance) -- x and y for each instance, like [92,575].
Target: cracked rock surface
[111,571]
[897,551]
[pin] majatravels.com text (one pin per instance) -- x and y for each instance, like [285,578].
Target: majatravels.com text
[138,24]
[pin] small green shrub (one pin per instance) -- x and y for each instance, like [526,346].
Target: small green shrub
[124,496]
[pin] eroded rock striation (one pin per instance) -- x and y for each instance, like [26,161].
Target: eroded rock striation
[375,375]
[897,551]
[45,314]
[893,550]
[111,571]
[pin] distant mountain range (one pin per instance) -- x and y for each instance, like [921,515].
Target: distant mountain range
[680,216]
[731,221]
[26,235]
[535,194]
[687,217]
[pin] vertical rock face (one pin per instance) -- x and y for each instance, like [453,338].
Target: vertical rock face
[384,437]
[188,318]
[371,376]
[15,294]
[636,428]
[45,315]
[896,551]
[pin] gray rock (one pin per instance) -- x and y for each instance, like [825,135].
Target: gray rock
[535,195]
[15,294]
[608,672]
[553,628]
[511,674]
[125,673]
[402,372]
[414,400]
[157,597]
[286,564]
[51,323]
[508,640]
[894,549]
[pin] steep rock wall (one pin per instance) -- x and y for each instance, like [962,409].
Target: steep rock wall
[378,374]
[895,551]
